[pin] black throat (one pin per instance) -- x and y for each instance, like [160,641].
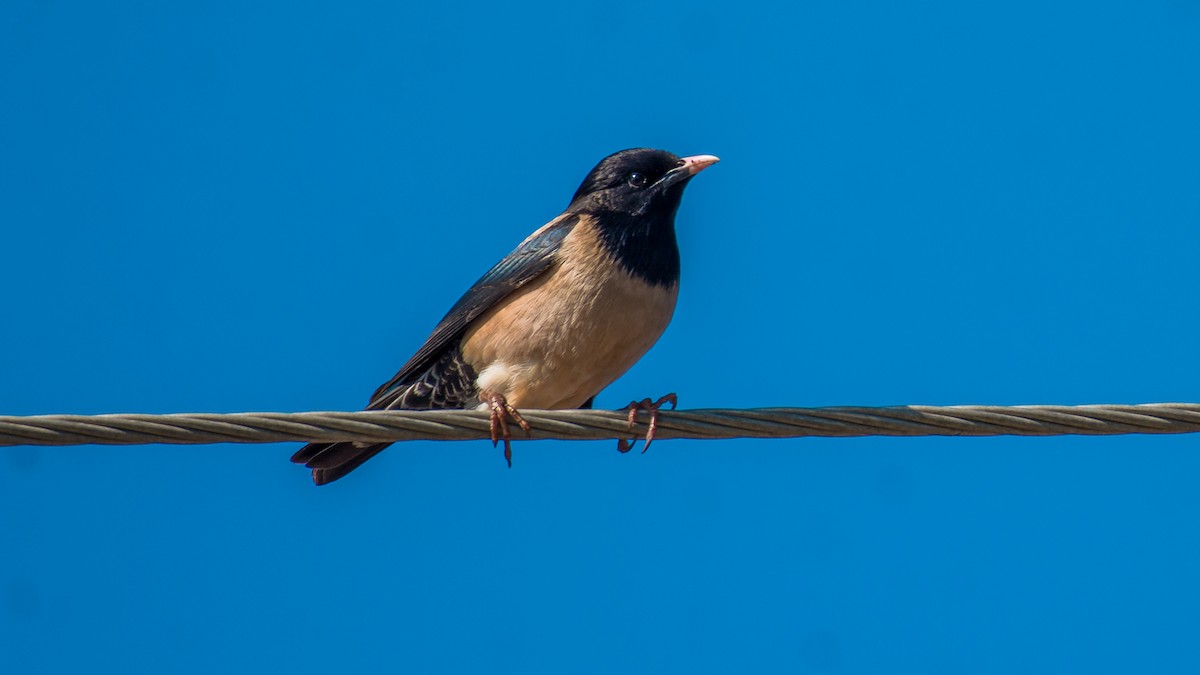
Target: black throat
[642,245]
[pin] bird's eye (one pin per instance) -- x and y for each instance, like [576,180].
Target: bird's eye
[637,180]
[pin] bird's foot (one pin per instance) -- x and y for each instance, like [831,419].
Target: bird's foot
[652,408]
[501,413]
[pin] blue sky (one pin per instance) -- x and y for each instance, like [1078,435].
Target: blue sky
[220,207]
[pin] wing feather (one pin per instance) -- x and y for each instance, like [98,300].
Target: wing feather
[527,262]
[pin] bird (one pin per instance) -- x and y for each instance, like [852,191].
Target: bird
[558,319]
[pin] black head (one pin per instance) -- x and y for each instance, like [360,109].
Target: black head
[638,182]
[633,195]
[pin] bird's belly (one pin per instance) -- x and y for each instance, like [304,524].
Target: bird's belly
[560,340]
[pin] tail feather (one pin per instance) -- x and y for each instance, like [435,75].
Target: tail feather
[447,382]
[328,475]
[331,461]
[309,451]
[338,454]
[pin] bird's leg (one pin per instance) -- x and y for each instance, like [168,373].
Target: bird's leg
[651,407]
[501,412]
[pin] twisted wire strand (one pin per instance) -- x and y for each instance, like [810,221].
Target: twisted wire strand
[461,425]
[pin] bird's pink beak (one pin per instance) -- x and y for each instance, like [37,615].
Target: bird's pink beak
[697,163]
[687,167]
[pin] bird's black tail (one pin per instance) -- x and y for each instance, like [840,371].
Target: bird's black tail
[331,461]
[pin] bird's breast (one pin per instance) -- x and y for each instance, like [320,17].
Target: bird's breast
[559,340]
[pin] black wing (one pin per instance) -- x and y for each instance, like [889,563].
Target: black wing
[528,261]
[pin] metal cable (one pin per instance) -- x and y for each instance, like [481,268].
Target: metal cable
[461,425]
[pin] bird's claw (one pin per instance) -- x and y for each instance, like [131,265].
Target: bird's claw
[501,413]
[652,408]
